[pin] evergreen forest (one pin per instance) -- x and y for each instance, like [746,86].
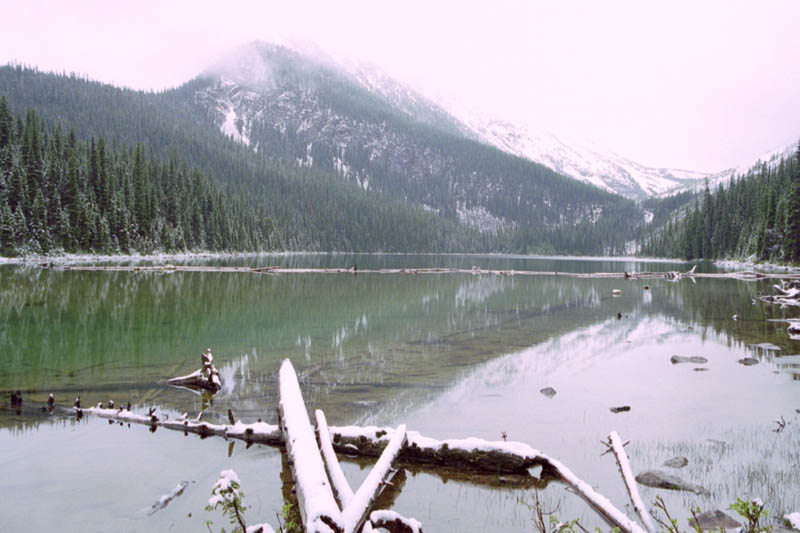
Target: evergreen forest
[755,216]
[136,171]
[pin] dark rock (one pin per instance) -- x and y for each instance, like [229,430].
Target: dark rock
[701,369]
[748,361]
[548,391]
[620,409]
[715,520]
[695,359]
[661,480]
[677,462]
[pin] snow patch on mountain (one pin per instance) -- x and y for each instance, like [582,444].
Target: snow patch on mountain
[231,103]
[582,159]
[479,217]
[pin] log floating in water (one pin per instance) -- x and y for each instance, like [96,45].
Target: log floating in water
[789,293]
[318,507]
[670,275]
[495,457]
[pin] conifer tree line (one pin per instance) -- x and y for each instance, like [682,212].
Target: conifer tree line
[316,209]
[62,194]
[58,193]
[755,215]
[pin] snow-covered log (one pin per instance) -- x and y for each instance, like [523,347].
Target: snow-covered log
[394,522]
[630,482]
[476,455]
[318,508]
[789,293]
[342,490]
[355,513]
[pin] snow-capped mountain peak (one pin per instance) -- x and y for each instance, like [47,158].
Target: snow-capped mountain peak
[581,159]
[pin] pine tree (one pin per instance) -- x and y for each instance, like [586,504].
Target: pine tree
[791,243]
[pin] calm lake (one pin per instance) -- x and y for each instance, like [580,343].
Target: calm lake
[450,355]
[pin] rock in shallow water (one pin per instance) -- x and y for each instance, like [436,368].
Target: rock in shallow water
[620,409]
[661,480]
[715,520]
[548,391]
[748,361]
[695,359]
[677,462]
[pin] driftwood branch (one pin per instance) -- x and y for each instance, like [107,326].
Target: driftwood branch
[205,378]
[630,483]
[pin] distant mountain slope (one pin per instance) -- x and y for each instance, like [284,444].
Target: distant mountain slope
[576,158]
[372,131]
[585,161]
[325,148]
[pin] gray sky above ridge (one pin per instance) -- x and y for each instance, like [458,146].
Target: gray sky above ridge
[696,85]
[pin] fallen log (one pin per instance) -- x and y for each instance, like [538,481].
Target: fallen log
[355,512]
[393,522]
[493,457]
[318,508]
[630,482]
[341,488]
[789,294]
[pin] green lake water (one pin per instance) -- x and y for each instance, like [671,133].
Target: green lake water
[450,355]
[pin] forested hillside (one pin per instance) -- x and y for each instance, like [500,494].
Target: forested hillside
[530,209]
[756,215]
[59,193]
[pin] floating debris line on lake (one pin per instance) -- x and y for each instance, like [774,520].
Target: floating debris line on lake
[668,275]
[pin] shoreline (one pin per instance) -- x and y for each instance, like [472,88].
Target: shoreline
[87,258]
[164,258]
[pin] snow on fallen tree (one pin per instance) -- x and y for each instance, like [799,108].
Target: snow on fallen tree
[356,506]
[471,453]
[394,522]
[788,293]
[616,445]
[319,509]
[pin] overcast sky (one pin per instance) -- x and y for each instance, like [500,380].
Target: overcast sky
[702,85]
